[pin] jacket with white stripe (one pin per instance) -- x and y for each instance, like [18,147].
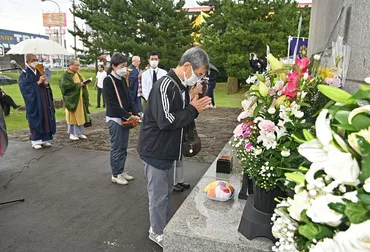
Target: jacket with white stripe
[165,117]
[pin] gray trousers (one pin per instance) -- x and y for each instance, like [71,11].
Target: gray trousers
[159,192]
[119,143]
[76,130]
[178,176]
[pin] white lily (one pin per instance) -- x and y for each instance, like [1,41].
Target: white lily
[358,111]
[325,156]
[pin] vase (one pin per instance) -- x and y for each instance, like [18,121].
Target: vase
[264,201]
[256,218]
[247,187]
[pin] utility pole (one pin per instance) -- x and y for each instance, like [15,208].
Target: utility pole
[74,27]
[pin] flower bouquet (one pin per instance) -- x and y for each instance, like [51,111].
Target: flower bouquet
[277,108]
[330,210]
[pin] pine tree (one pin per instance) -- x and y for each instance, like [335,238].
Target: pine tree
[136,28]
[238,28]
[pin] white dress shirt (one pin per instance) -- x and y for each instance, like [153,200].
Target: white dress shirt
[147,80]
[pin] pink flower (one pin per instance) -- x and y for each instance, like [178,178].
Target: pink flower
[267,126]
[272,92]
[335,82]
[248,147]
[245,127]
[246,133]
[279,87]
[302,64]
[244,115]
[291,88]
[238,132]
[248,109]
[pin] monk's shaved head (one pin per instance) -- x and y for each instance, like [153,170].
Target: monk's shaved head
[31,58]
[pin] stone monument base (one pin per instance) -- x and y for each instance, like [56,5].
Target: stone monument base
[202,225]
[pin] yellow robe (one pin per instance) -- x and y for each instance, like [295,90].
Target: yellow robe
[77,117]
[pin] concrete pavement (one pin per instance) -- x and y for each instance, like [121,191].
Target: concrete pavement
[71,205]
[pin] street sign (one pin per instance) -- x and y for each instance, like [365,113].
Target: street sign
[51,31]
[54,19]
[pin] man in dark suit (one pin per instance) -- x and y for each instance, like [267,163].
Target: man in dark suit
[6,102]
[134,79]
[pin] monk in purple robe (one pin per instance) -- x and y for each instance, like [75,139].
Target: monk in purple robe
[38,97]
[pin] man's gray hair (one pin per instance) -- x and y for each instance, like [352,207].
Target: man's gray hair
[196,56]
[72,61]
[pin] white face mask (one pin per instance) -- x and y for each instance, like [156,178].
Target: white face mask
[121,71]
[34,64]
[154,63]
[192,80]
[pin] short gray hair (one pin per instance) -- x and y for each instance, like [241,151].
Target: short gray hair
[196,56]
[72,61]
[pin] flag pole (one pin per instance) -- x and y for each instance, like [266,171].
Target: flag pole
[299,33]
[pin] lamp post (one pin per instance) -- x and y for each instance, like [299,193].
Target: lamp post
[60,29]
[60,21]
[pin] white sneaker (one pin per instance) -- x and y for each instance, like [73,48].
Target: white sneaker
[119,180]
[73,137]
[46,144]
[126,176]
[157,238]
[37,146]
[82,137]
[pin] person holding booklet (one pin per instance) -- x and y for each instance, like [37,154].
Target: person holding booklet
[120,110]
[76,100]
[38,98]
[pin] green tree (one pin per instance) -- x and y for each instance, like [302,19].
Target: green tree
[238,28]
[211,33]
[136,28]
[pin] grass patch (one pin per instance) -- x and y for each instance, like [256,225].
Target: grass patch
[224,100]
[17,119]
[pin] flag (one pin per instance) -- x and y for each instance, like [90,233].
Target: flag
[302,47]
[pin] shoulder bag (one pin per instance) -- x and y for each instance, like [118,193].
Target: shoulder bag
[191,143]
[131,122]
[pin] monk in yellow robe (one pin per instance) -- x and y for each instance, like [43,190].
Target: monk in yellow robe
[76,100]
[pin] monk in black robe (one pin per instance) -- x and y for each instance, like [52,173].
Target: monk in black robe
[38,98]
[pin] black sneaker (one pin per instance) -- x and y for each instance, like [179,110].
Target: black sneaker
[97,107]
[178,188]
[184,185]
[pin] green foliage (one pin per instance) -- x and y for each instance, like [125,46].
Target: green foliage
[315,231]
[136,28]
[356,212]
[237,28]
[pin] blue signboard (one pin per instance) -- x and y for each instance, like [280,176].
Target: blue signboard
[8,38]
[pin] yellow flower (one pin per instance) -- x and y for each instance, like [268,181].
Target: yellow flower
[326,73]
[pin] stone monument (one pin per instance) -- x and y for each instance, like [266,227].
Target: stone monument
[352,25]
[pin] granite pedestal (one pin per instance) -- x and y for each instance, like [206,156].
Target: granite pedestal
[204,225]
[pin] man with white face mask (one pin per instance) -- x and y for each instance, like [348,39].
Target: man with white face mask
[151,75]
[38,98]
[169,110]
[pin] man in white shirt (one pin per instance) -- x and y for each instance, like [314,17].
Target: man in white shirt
[151,75]
[100,76]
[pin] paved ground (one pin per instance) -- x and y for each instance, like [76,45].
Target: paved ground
[71,204]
